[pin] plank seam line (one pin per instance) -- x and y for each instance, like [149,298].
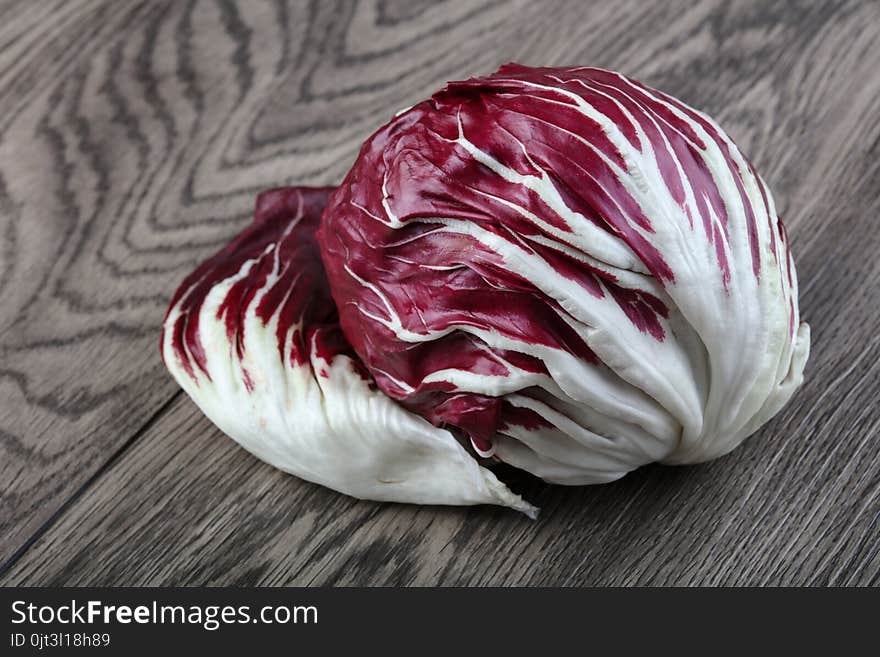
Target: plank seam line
[7,565]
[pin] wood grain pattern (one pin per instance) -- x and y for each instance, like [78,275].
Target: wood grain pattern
[133,137]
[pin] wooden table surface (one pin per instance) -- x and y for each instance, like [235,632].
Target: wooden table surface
[133,138]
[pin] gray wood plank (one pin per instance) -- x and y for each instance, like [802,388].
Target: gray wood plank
[137,152]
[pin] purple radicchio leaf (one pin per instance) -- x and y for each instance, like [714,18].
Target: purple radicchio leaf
[253,337]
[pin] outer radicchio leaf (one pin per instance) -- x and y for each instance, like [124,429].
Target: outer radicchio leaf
[253,337]
[581,273]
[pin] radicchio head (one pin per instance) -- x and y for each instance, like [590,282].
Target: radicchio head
[578,273]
